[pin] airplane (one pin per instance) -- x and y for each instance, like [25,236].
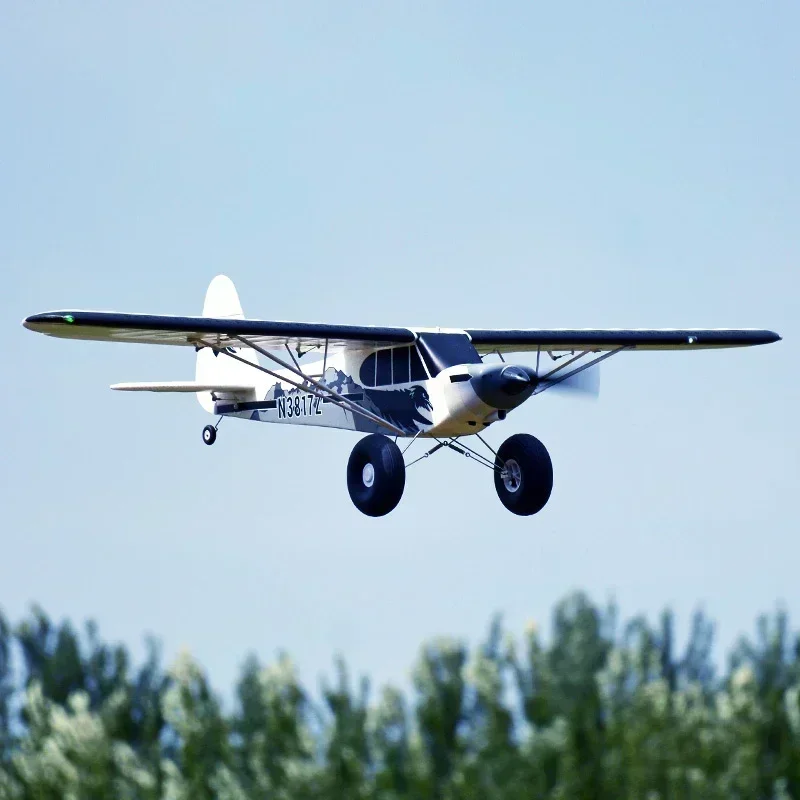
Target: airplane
[393,384]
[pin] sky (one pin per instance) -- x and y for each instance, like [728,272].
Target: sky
[454,164]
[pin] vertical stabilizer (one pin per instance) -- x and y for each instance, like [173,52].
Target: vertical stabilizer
[222,300]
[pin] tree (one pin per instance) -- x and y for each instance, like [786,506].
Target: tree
[441,687]
[197,733]
[6,689]
[597,710]
[273,742]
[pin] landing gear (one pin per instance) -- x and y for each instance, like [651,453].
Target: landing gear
[209,434]
[376,475]
[523,474]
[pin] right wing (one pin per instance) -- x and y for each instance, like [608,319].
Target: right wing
[597,340]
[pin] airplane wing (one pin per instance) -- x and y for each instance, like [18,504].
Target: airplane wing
[185,386]
[194,331]
[220,331]
[597,340]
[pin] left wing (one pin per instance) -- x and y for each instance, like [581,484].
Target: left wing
[219,331]
[184,386]
[597,340]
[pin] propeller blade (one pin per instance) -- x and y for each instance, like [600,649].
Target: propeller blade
[586,383]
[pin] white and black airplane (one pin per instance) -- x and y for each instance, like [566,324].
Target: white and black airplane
[391,383]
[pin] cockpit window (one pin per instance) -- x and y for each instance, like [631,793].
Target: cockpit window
[367,371]
[417,368]
[400,370]
[392,365]
[383,374]
[442,350]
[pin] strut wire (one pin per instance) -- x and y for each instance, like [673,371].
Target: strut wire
[460,448]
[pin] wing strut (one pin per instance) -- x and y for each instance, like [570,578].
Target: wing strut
[322,390]
[548,381]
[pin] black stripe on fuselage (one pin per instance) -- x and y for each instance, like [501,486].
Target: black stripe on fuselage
[252,405]
[265,405]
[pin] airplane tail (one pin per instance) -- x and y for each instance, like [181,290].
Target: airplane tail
[222,300]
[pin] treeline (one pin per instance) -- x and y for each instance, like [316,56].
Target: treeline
[602,709]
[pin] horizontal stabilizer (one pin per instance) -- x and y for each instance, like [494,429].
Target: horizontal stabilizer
[184,386]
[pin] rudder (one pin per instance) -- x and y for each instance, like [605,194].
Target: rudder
[222,301]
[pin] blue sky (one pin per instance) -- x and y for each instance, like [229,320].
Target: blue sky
[456,164]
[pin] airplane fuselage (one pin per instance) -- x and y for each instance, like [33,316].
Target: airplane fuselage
[460,400]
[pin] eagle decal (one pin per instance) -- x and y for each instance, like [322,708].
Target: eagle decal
[401,407]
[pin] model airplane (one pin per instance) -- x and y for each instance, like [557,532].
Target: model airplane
[406,383]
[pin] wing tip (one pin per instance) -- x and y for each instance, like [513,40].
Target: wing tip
[33,321]
[36,322]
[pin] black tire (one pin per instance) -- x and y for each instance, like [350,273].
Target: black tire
[526,482]
[378,490]
[209,434]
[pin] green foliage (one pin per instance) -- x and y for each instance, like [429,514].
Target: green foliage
[274,748]
[6,689]
[588,712]
[198,730]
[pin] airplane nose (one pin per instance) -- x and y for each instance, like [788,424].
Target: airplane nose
[504,386]
[514,380]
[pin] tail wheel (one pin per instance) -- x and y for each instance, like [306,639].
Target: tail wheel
[524,478]
[209,434]
[376,475]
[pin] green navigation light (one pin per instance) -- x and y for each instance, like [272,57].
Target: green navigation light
[69,318]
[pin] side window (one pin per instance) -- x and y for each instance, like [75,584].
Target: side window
[367,371]
[400,365]
[417,370]
[383,375]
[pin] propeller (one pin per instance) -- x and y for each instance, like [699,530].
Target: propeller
[505,386]
[514,380]
[585,383]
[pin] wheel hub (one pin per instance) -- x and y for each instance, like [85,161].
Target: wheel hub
[512,476]
[368,475]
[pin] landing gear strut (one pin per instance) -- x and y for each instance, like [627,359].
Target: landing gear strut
[376,475]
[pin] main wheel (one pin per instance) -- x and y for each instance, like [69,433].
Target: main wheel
[209,434]
[376,475]
[524,479]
